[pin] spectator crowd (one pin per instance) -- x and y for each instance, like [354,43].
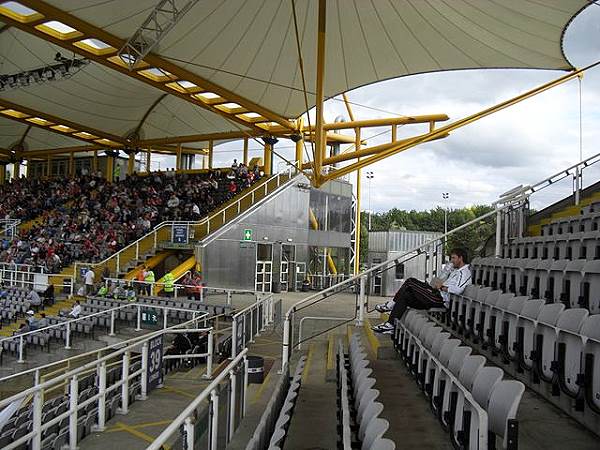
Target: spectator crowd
[87,218]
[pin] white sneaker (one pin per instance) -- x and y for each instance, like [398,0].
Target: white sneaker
[384,328]
[385,307]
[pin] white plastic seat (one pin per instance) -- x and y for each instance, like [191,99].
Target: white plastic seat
[506,328]
[375,430]
[591,362]
[590,287]
[472,308]
[555,280]
[493,318]
[569,347]
[502,410]
[545,339]
[570,293]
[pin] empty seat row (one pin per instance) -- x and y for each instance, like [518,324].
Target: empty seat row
[358,409]
[264,430]
[588,221]
[557,350]
[471,400]
[574,283]
[584,245]
[287,409]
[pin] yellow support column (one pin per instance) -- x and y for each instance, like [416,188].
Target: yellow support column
[319,135]
[2,173]
[300,147]
[71,164]
[110,167]
[131,164]
[94,162]
[268,159]
[210,154]
[16,170]
[245,151]
[49,166]
[178,158]
[148,160]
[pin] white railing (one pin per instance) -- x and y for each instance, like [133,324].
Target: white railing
[249,322]
[68,325]
[8,227]
[31,280]
[178,288]
[99,365]
[280,178]
[187,417]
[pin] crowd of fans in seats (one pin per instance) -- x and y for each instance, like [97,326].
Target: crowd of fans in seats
[87,218]
[26,199]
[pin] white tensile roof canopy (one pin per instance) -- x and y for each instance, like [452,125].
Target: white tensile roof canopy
[232,65]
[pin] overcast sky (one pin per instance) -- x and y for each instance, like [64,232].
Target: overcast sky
[520,145]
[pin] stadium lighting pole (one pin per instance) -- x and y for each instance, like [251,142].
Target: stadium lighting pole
[370,176]
[445,196]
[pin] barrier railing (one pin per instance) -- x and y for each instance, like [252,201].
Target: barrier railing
[197,229]
[68,325]
[249,322]
[8,227]
[235,408]
[36,280]
[150,347]
[181,290]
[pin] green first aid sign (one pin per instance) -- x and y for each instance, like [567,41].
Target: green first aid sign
[247,234]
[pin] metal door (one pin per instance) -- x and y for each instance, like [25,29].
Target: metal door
[263,276]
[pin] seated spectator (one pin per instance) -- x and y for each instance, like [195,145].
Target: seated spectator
[76,311]
[3,290]
[30,319]
[420,295]
[42,322]
[34,298]
[103,291]
[23,328]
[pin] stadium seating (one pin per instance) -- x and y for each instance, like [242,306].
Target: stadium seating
[552,346]
[471,400]
[359,424]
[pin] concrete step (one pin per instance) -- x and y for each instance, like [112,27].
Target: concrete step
[314,423]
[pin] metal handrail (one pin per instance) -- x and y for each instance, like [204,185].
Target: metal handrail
[67,324]
[206,220]
[184,417]
[74,405]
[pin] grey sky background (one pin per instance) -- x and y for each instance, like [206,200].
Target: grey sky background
[520,145]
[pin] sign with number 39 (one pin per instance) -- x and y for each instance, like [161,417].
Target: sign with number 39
[155,354]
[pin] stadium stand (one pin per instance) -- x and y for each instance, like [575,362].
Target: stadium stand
[95,218]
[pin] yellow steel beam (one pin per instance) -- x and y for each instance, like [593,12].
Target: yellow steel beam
[319,139]
[245,153]
[168,83]
[58,125]
[348,107]
[439,132]
[369,123]
[365,151]
[227,135]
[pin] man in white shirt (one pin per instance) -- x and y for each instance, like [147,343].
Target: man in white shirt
[76,311]
[420,295]
[89,282]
